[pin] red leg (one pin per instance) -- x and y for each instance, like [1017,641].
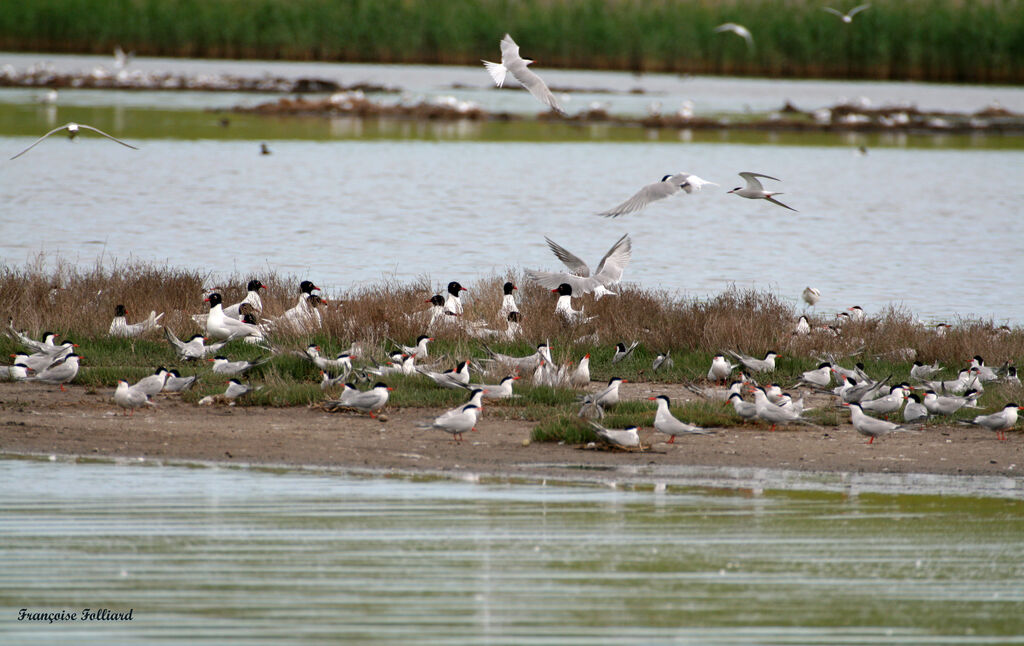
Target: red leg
[62,388]
[872,440]
[672,439]
[772,429]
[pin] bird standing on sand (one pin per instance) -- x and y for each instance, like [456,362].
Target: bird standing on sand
[870,426]
[665,422]
[457,423]
[130,397]
[998,422]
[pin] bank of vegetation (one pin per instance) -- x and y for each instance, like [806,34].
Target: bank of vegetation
[79,304]
[930,40]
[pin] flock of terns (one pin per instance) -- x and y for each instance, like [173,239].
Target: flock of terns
[58,364]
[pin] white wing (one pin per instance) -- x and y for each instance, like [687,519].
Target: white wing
[570,260]
[752,182]
[497,72]
[36,142]
[834,12]
[537,87]
[643,197]
[858,9]
[615,261]
[82,125]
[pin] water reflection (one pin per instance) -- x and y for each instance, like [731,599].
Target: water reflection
[205,555]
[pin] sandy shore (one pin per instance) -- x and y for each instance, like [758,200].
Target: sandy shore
[37,419]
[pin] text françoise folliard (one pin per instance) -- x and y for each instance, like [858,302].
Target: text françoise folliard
[87,614]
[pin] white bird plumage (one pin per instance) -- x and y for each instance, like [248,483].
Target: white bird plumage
[512,62]
[73,128]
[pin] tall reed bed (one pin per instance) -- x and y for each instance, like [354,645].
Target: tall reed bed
[934,40]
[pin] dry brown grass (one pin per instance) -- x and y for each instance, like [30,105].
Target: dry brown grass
[742,320]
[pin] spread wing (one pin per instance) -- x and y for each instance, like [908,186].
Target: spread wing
[570,260]
[615,261]
[643,197]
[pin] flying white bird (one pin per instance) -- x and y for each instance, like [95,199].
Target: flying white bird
[608,273]
[72,133]
[755,191]
[847,17]
[512,62]
[737,29]
[667,187]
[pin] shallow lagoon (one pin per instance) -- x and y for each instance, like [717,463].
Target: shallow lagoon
[208,554]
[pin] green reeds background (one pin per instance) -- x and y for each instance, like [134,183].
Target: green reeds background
[934,40]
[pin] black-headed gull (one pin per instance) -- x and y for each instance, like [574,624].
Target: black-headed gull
[119,326]
[252,297]
[508,301]
[512,62]
[755,191]
[608,273]
[563,307]
[667,187]
[223,328]
[72,133]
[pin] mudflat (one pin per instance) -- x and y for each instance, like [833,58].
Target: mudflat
[36,419]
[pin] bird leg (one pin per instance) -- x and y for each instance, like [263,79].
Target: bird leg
[872,440]
[671,440]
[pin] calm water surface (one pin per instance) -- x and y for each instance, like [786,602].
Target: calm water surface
[207,555]
[930,223]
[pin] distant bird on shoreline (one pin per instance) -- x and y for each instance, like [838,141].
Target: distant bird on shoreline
[73,128]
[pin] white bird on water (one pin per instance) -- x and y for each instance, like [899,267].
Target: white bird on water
[512,62]
[847,17]
[667,187]
[73,128]
[755,191]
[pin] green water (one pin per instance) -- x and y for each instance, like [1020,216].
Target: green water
[213,555]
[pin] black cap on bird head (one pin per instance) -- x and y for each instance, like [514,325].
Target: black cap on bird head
[565,289]
[454,288]
[437,300]
[255,285]
[214,300]
[508,287]
[307,287]
[120,311]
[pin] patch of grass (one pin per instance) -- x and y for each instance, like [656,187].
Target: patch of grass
[564,428]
